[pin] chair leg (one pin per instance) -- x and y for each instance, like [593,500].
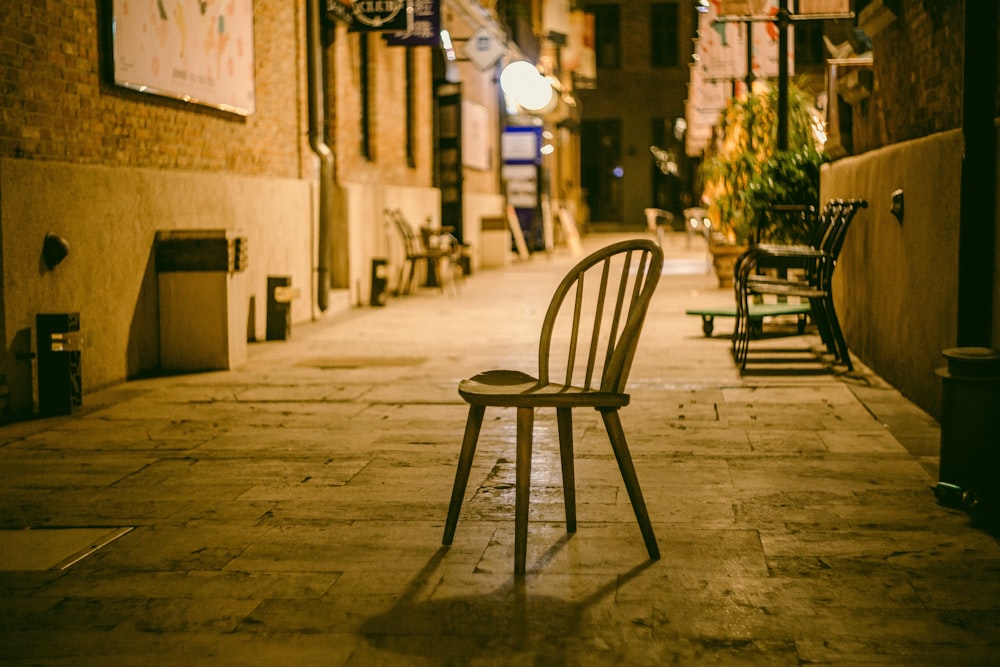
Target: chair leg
[409,275]
[522,487]
[613,424]
[842,353]
[565,419]
[821,316]
[472,427]
[399,278]
[743,338]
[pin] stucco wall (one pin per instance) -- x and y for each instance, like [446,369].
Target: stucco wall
[109,216]
[897,282]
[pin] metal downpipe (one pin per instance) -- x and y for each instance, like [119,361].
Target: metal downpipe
[317,141]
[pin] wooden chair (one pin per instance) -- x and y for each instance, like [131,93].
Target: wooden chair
[816,264]
[587,344]
[438,258]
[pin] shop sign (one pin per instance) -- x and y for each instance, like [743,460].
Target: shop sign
[424,28]
[484,49]
[338,10]
[369,15]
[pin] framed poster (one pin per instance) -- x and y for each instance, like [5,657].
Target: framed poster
[199,51]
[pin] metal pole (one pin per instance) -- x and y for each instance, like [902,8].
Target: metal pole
[783,21]
[317,141]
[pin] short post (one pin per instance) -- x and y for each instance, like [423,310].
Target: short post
[379,280]
[279,307]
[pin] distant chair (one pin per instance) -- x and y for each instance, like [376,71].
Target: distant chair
[656,220]
[588,342]
[439,250]
[697,222]
[815,263]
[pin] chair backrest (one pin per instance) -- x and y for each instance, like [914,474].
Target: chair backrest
[591,329]
[411,242]
[846,209]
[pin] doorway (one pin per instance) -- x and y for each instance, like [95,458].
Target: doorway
[601,173]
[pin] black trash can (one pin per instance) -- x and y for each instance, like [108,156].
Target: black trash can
[970,407]
[60,381]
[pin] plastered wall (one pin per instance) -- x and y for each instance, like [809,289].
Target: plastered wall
[897,282]
[110,216]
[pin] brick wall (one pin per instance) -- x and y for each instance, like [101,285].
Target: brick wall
[58,101]
[918,74]
[387,68]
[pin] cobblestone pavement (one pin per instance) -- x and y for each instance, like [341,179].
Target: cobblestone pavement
[290,512]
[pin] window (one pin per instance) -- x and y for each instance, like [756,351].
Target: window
[411,102]
[365,93]
[607,35]
[809,47]
[663,32]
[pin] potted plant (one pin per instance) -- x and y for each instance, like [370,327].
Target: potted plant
[745,175]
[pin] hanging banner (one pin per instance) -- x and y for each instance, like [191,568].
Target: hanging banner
[726,49]
[424,28]
[806,7]
[379,15]
[578,56]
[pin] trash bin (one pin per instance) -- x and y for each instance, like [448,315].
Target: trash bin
[280,295]
[203,299]
[970,405]
[60,381]
[494,242]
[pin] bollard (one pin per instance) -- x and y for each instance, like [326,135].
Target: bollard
[279,307]
[970,408]
[380,280]
[60,383]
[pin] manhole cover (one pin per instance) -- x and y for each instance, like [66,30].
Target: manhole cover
[360,362]
[52,548]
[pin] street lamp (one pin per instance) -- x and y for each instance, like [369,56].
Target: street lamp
[524,87]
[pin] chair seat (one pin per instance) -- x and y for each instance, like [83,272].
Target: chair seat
[505,388]
[800,289]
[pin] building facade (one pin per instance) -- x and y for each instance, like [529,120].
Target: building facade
[271,122]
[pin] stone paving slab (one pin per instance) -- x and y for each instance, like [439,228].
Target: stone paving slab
[290,512]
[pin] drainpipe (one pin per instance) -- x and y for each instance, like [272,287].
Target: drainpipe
[317,141]
[976,235]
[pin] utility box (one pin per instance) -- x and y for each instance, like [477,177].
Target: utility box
[494,242]
[203,299]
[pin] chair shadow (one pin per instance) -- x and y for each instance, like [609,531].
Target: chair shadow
[498,626]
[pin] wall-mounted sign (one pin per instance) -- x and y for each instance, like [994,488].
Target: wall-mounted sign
[380,15]
[483,49]
[522,185]
[521,144]
[195,51]
[424,28]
